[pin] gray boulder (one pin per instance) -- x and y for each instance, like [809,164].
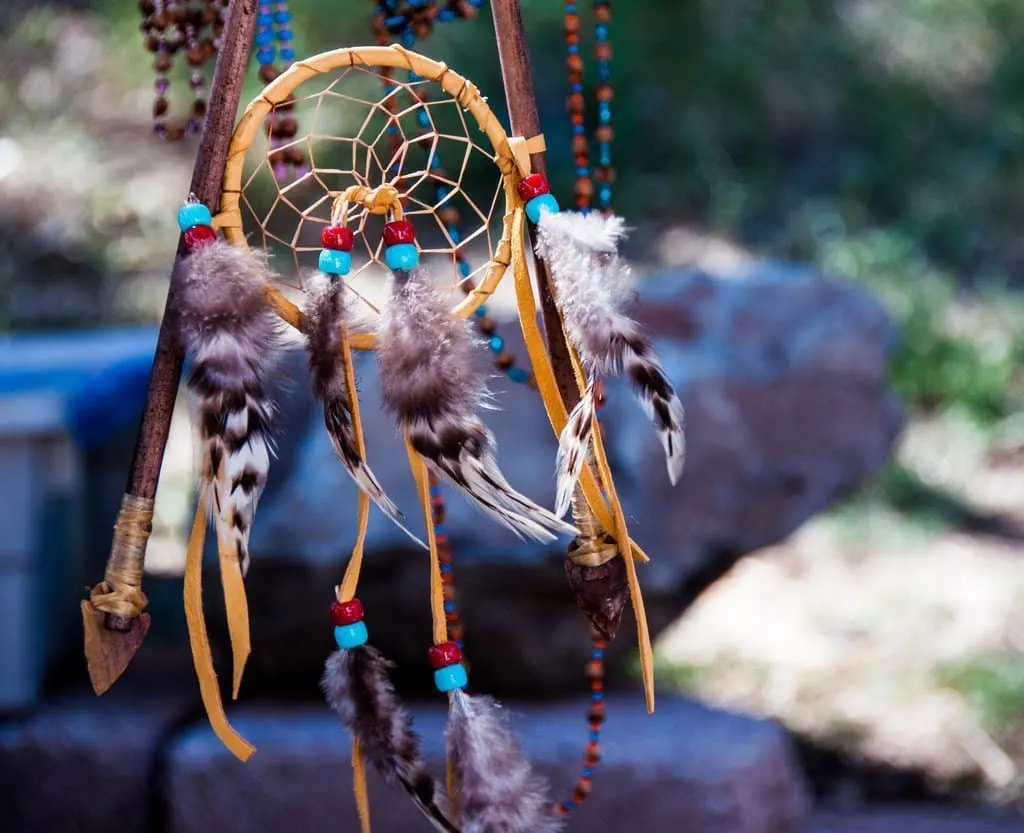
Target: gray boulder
[782,373]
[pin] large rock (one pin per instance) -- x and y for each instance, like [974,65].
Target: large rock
[687,768]
[782,375]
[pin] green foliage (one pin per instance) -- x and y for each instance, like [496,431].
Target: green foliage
[993,684]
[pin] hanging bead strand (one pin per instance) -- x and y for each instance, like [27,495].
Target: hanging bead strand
[604,173]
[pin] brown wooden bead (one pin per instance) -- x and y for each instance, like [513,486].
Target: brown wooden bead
[174,15]
[486,325]
[595,670]
[449,216]
[584,188]
[162,63]
[422,28]
[603,51]
[574,63]
[580,147]
[504,360]
[268,72]
[175,134]
[152,43]
[276,157]
[147,6]
[595,714]
[456,632]
[294,156]
[575,103]
[286,127]
[218,28]
[466,10]
[602,12]
[605,92]
[448,592]
[572,23]
[583,788]
[158,22]
[377,22]
[209,15]
[159,106]
[195,56]
[604,133]
[199,108]
[209,47]
[572,40]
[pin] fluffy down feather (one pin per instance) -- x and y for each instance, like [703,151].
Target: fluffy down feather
[324,317]
[592,284]
[498,791]
[430,382]
[231,335]
[359,690]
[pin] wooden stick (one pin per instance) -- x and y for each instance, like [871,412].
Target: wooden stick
[517,77]
[106,659]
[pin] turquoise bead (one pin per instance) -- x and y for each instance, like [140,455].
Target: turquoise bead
[517,374]
[497,344]
[450,678]
[541,205]
[335,261]
[401,256]
[351,636]
[193,214]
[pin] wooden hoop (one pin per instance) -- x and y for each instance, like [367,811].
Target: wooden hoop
[229,219]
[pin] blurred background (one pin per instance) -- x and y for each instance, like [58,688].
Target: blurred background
[825,197]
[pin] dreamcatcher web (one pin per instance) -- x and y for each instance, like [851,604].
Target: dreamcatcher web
[362,128]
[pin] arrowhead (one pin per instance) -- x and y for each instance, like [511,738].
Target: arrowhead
[601,593]
[110,644]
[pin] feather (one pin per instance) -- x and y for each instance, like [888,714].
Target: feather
[572,448]
[359,690]
[324,317]
[592,284]
[231,334]
[498,790]
[430,382]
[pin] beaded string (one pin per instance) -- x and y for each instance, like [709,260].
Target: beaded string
[170,27]
[273,27]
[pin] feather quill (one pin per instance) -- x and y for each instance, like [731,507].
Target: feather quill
[358,688]
[592,285]
[325,316]
[498,790]
[430,382]
[231,334]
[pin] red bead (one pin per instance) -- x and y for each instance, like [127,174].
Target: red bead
[445,654]
[199,236]
[347,613]
[533,185]
[337,237]
[399,231]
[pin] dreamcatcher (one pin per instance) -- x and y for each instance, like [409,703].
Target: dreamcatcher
[361,205]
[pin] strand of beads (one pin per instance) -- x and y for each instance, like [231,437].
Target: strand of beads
[349,628]
[196,225]
[172,26]
[576,106]
[274,39]
[604,173]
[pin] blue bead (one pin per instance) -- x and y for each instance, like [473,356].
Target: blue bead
[454,234]
[446,15]
[541,205]
[264,19]
[285,34]
[422,118]
[518,375]
[604,72]
[287,54]
[193,214]
[283,16]
[605,154]
[415,76]
[350,636]
[481,311]
[335,261]
[439,529]
[605,193]
[497,344]
[401,256]
[449,607]
[595,736]
[408,39]
[573,49]
[392,22]
[465,269]
[446,568]
[264,38]
[582,170]
[577,87]
[450,678]
[587,772]
[604,111]
[597,653]
[443,190]
[595,696]
[601,31]
[578,129]
[266,55]
[436,161]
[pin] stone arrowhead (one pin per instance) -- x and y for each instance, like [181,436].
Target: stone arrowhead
[601,593]
[108,650]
